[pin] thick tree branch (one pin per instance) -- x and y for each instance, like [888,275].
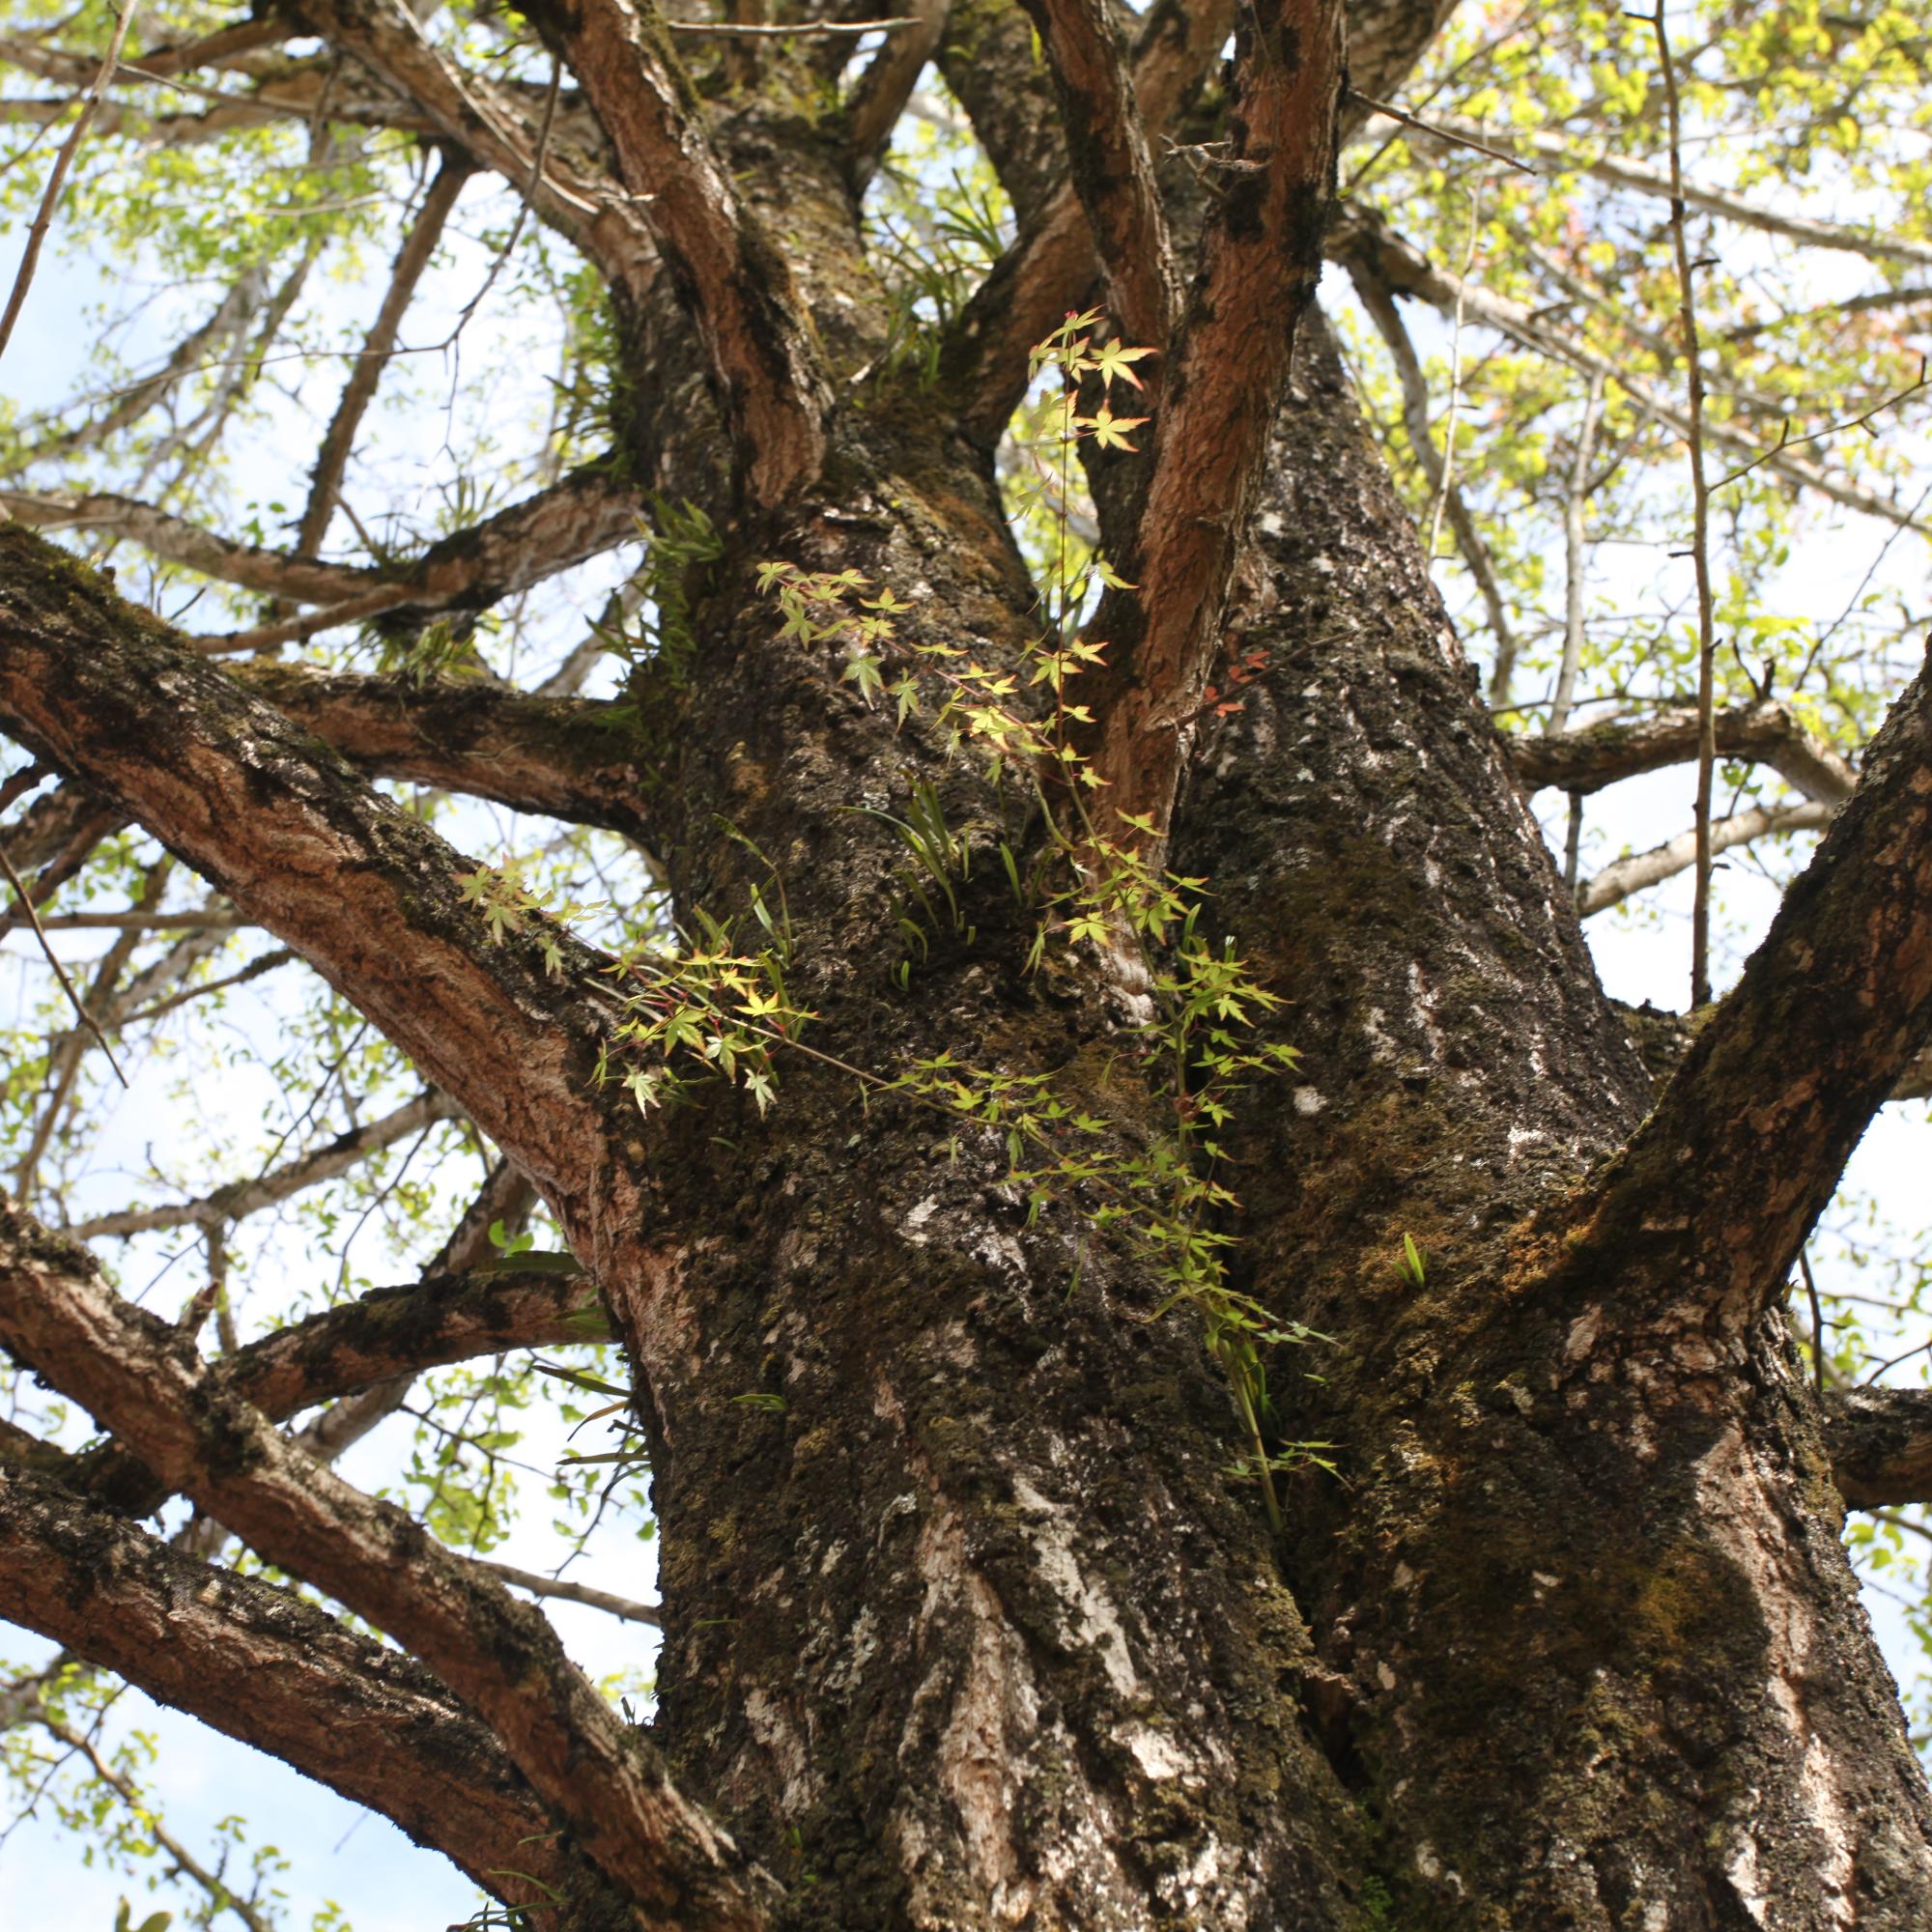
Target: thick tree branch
[1880,1441]
[390,1331]
[734,282]
[567,758]
[391,1334]
[139,1379]
[1051,269]
[879,96]
[1712,1196]
[1597,756]
[1261,262]
[261,1665]
[300,843]
[1113,173]
[506,1198]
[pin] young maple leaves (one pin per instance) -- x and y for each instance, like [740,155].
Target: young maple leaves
[1078,359]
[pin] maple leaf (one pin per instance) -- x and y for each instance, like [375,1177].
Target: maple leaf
[1113,360]
[1110,431]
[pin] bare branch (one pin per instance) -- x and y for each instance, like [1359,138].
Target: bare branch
[1880,1441]
[1618,881]
[568,1592]
[567,758]
[442,1319]
[24,903]
[1639,178]
[1261,261]
[506,1197]
[1700,520]
[239,1199]
[419,245]
[261,1665]
[55,822]
[1597,756]
[131,1372]
[37,231]
[176,540]
[384,1338]
[580,516]
[1712,1197]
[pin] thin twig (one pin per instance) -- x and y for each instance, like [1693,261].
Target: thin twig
[1449,419]
[1442,133]
[1700,531]
[295,630]
[57,177]
[1786,440]
[1576,500]
[60,971]
[793,29]
[576,1593]
[130,922]
[537,159]
[1573,844]
[1817,1322]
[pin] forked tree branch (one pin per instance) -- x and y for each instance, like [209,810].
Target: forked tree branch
[1710,1197]
[1052,267]
[139,1379]
[1261,261]
[261,1665]
[729,276]
[300,843]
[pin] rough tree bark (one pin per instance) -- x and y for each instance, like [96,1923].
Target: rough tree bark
[967,1622]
